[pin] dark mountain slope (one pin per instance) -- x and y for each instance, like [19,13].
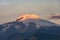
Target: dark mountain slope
[30,30]
[41,22]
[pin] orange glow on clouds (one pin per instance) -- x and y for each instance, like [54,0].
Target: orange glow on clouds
[27,16]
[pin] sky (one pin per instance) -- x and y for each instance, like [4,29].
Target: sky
[11,9]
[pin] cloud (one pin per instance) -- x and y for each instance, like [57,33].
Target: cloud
[54,16]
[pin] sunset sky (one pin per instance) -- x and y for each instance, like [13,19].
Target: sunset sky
[11,9]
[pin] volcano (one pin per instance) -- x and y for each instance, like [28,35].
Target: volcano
[30,29]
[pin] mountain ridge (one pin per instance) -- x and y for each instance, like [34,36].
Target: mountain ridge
[18,30]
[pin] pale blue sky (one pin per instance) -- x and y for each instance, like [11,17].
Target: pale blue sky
[11,9]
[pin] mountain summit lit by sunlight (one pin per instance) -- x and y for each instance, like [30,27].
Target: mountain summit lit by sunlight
[27,16]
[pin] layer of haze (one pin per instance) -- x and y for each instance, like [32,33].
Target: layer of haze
[11,9]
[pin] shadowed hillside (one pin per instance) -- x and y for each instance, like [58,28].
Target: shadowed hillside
[30,30]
